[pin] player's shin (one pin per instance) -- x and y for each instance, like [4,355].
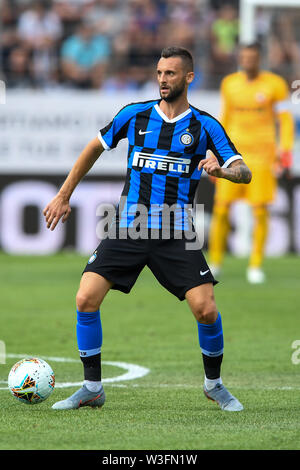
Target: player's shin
[260,232]
[211,344]
[218,235]
[89,340]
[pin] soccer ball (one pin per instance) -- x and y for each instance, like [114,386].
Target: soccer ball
[31,380]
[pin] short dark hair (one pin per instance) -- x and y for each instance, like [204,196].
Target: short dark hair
[184,54]
[252,45]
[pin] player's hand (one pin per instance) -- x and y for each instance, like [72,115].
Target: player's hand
[211,166]
[284,164]
[58,208]
[286,159]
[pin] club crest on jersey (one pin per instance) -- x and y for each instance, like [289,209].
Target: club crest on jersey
[164,163]
[186,138]
[260,97]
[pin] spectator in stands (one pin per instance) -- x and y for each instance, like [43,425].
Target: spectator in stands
[84,57]
[8,13]
[71,13]
[283,48]
[9,38]
[224,38]
[39,27]
[184,25]
[143,51]
[183,11]
[40,30]
[109,17]
[142,55]
[20,73]
[129,34]
[119,80]
[146,16]
[225,32]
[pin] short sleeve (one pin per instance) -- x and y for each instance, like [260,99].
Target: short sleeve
[220,144]
[281,95]
[116,130]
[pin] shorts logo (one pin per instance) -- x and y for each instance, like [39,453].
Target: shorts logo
[163,163]
[186,138]
[92,258]
[202,273]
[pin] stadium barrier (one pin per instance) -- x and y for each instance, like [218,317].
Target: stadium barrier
[23,230]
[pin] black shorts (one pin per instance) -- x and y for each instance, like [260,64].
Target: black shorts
[176,268]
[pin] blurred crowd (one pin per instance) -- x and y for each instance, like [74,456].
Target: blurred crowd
[114,44]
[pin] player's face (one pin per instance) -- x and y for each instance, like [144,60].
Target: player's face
[172,78]
[249,60]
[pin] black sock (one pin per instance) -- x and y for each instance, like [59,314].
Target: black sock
[212,366]
[92,367]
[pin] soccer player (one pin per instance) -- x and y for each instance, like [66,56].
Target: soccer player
[254,103]
[168,139]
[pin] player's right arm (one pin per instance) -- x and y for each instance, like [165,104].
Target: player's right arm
[286,124]
[107,139]
[225,161]
[59,207]
[225,107]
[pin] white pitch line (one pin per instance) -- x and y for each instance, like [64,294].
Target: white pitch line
[47,358]
[199,387]
[184,386]
[133,371]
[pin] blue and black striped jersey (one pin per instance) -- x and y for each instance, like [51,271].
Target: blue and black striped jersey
[163,155]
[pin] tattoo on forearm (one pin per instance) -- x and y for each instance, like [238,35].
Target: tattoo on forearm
[239,173]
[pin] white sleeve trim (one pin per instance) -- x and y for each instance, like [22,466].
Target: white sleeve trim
[105,146]
[282,106]
[232,159]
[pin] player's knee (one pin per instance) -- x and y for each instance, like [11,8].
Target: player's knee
[86,302]
[206,312]
[260,211]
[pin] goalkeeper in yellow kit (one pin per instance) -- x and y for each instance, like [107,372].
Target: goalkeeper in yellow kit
[255,113]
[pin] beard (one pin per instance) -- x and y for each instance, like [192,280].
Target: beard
[175,93]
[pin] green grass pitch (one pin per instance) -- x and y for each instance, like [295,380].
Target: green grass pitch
[165,409]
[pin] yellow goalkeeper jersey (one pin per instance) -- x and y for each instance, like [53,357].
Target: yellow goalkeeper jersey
[251,108]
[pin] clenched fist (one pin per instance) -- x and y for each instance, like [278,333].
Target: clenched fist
[211,166]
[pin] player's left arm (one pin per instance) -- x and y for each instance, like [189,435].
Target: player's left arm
[286,139]
[225,161]
[286,124]
[236,172]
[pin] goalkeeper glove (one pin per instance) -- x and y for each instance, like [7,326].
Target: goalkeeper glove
[286,159]
[285,163]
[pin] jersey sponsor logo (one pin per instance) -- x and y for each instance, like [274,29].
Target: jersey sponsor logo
[186,138]
[161,162]
[248,110]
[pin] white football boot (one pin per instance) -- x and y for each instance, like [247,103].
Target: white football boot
[255,276]
[83,397]
[225,400]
